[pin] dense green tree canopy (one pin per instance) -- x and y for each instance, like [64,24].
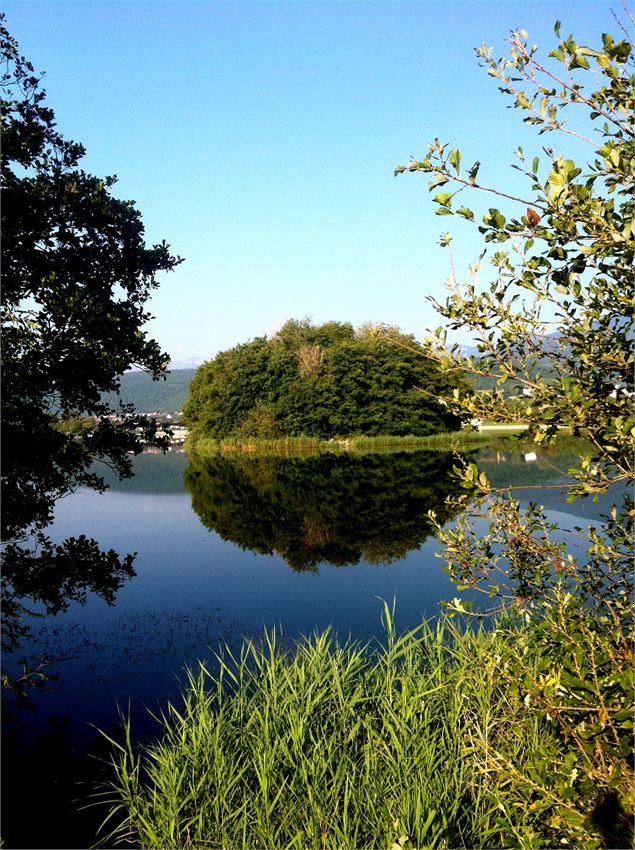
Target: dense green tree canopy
[76,279]
[324,381]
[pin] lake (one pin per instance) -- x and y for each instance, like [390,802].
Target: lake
[230,545]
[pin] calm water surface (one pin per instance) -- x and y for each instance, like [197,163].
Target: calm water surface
[229,546]
[224,548]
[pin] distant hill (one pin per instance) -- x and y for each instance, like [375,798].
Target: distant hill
[150,396]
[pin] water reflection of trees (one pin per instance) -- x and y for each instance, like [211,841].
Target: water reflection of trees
[49,590]
[330,508]
[67,573]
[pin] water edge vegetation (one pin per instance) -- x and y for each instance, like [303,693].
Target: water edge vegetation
[449,441]
[424,741]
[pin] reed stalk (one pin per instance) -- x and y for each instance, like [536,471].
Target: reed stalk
[327,744]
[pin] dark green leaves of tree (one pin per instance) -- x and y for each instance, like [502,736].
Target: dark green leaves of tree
[77,276]
[323,381]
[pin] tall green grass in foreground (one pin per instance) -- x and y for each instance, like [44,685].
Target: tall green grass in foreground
[332,745]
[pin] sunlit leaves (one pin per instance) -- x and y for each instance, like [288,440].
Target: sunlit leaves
[556,320]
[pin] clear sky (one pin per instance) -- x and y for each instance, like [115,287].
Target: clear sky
[259,140]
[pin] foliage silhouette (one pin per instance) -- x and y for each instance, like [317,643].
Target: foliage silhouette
[76,279]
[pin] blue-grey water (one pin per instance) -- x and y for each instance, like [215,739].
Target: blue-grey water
[247,545]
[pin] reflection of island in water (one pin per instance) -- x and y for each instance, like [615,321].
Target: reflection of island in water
[338,509]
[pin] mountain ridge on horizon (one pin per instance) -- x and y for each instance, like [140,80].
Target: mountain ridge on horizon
[148,396]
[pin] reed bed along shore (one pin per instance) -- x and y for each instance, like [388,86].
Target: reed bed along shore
[452,441]
[331,744]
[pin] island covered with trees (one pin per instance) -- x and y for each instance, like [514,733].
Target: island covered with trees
[326,381]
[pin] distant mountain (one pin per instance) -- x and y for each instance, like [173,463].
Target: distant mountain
[150,396]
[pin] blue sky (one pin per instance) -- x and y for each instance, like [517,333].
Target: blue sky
[259,140]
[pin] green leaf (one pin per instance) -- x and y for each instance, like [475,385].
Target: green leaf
[556,179]
[437,180]
[495,218]
[558,184]
[623,714]
[522,101]
[455,159]
[574,683]
[443,198]
[579,61]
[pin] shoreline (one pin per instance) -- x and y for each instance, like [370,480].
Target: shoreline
[345,445]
